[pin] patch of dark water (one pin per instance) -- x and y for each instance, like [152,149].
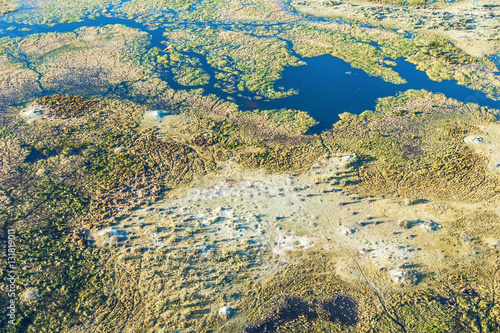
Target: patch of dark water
[326,86]
[34,156]
[341,309]
[496,60]
[329,86]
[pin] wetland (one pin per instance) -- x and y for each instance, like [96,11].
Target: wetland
[301,85]
[245,166]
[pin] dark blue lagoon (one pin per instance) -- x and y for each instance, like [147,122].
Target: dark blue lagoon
[327,86]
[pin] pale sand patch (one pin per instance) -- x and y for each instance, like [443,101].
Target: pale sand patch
[34,112]
[487,144]
[282,214]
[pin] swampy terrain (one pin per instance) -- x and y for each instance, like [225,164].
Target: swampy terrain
[249,166]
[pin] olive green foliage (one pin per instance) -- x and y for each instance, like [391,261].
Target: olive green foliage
[458,303]
[137,7]
[189,76]
[186,68]
[293,120]
[276,158]
[90,61]
[57,188]
[65,106]
[91,166]
[443,61]
[85,170]
[114,167]
[243,62]
[51,12]
[40,210]
[461,303]
[407,141]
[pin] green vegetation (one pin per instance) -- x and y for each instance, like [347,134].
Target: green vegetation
[293,120]
[188,76]
[137,7]
[79,181]
[456,303]
[186,68]
[51,12]
[90,61]
[106,170]
[49,208]
[236,11]
[242,61]
[58,105]
[243,58]
[415,141]
[96,168]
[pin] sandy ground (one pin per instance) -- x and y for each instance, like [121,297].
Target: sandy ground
[257,225]
[282,214]
[34,113]
[487,144]
[285,213]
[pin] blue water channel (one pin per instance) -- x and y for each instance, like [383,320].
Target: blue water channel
[329,86]
[326,86]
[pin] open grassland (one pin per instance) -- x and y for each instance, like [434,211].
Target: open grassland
[89,61]
[417,144]
[166,219]
[54,11]
[138,207]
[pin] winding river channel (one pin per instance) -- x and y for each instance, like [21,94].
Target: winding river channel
[326,86]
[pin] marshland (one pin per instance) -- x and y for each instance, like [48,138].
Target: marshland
[250,166]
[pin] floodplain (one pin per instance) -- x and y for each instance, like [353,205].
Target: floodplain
[171,166]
